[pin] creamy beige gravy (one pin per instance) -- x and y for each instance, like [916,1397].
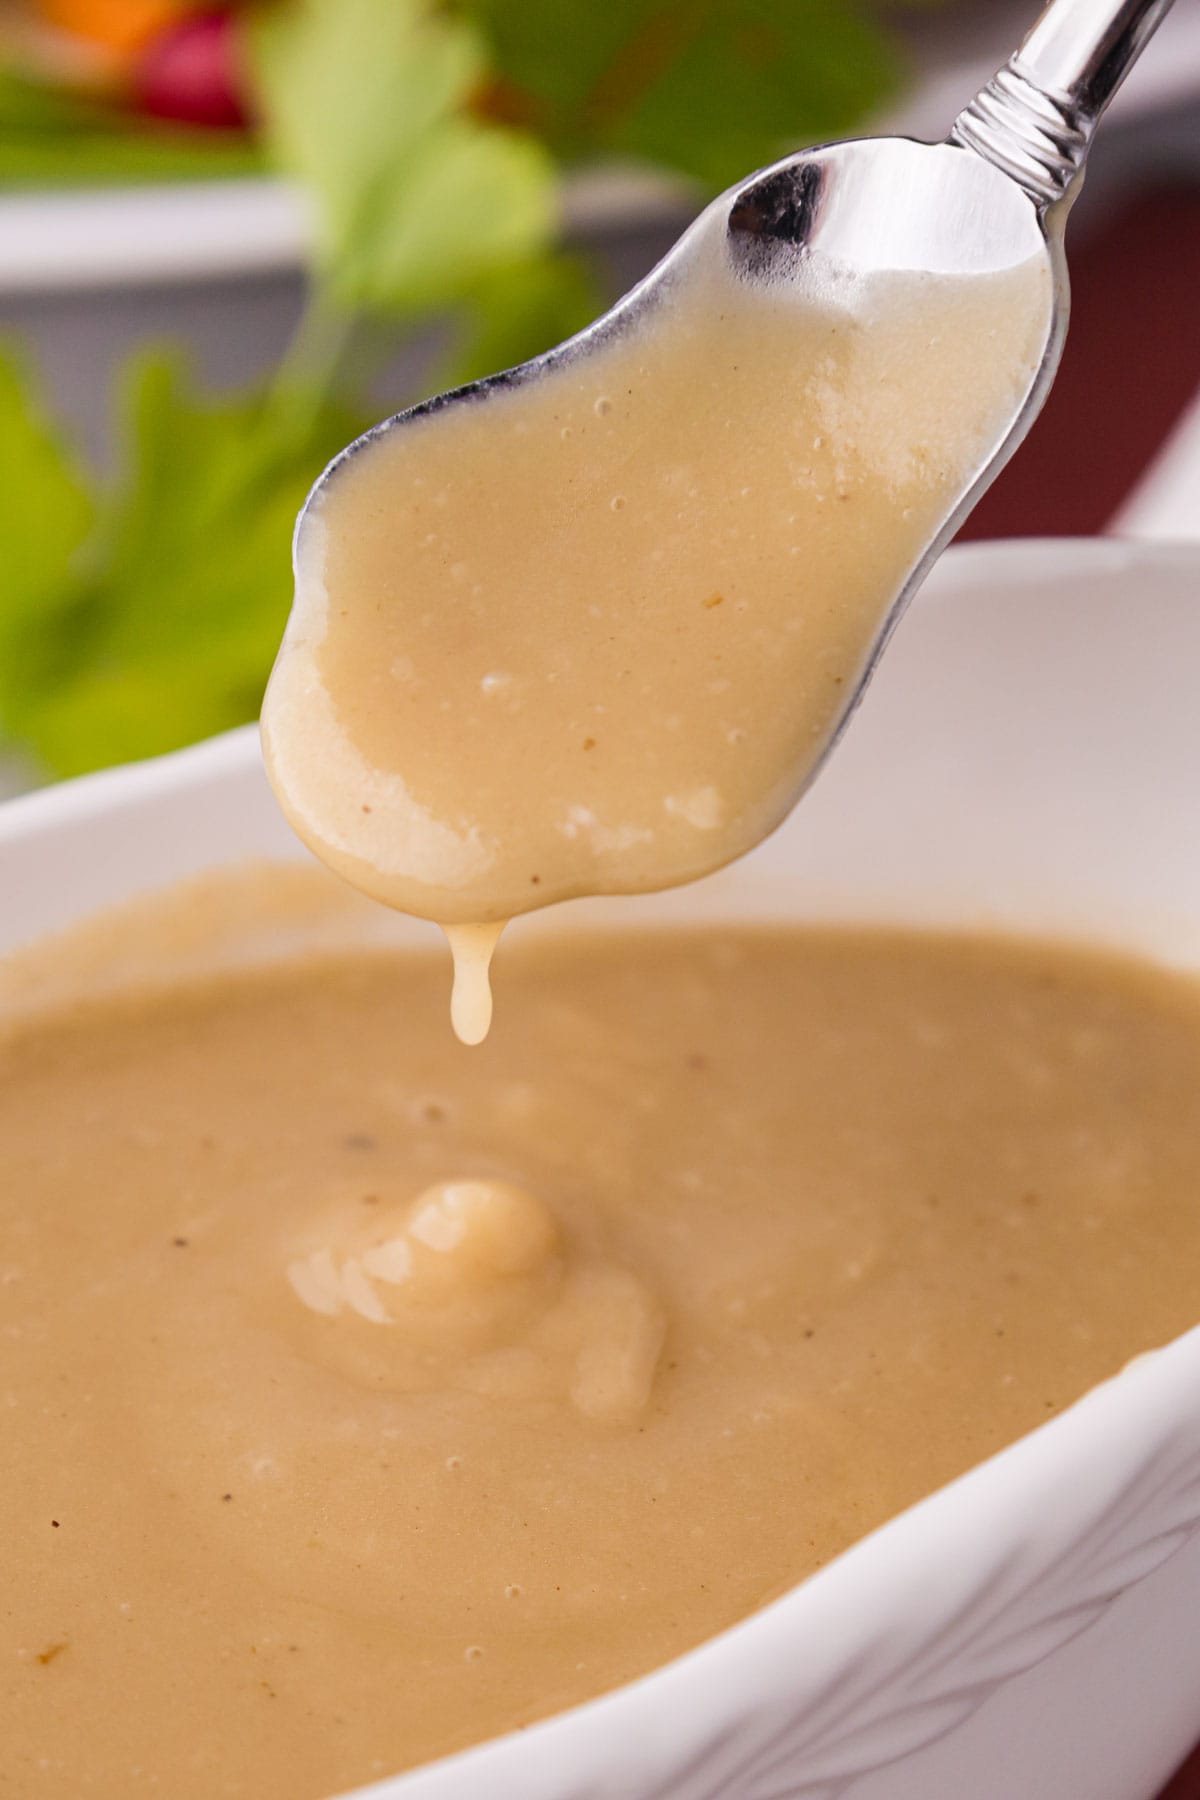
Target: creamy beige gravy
[362,1399]
[592,634]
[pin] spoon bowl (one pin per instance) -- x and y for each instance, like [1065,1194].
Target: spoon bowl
[837,214]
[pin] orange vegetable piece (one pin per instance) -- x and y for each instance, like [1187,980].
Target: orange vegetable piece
[120,26]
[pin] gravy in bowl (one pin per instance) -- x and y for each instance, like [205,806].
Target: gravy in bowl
[365,1399]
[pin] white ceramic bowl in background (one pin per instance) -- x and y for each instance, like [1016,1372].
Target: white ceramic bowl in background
[1028,759]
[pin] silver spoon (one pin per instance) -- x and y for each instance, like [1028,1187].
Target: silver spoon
[992,197]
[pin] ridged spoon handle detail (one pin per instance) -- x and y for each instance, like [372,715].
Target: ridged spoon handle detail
[1035,118]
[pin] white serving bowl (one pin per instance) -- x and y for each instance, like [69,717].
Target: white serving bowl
[1028,759]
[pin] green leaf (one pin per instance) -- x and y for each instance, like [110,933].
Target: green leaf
[348,88]
[766,79]
[550,58]
[519,312]
[711,88]
[118,714]
[469,200]
[368,103]
[46,513]
[52,138]
[171,634]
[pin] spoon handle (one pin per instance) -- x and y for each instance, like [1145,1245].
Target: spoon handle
[1035,119]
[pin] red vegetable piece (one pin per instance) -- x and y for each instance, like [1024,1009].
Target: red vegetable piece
[190,73]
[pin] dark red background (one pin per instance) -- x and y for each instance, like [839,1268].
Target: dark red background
[1186,1785]
[1130,369]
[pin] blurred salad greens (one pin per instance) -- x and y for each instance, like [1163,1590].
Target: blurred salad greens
[431,135]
